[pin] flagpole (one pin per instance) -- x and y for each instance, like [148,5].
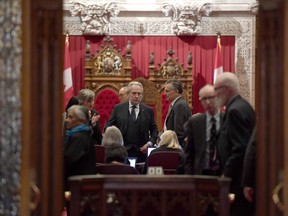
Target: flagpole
[67,39]
[67,74]
[218,67]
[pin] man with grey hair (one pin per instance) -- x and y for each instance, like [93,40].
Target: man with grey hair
[178,112]
[236,130]
[136,122]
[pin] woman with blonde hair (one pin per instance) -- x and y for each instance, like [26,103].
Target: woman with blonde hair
[168,142]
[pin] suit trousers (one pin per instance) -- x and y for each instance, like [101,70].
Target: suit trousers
[135,152]
[241,207]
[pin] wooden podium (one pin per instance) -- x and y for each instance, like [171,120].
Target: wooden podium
[141,195]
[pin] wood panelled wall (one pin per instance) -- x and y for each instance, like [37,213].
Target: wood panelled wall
[270,111]
[42,92]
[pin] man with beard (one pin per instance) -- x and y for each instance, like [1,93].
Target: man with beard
[236,130]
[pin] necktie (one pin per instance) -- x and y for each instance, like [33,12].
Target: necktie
[133,113]
[212,141]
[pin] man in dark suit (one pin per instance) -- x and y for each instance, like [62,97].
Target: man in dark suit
[178,112]
[136,122]
[197,157]
[249,169]
[235,132]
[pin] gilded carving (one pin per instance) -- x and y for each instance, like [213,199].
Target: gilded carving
[172,69]
[105,65]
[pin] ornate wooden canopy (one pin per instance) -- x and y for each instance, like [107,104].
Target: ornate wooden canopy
[107,68]
[172,69]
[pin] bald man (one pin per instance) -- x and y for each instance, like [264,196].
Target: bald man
[197,159]
[123,95]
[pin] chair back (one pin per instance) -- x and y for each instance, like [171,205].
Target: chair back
[114,169]
[168,160]
[105,101]
[99,153]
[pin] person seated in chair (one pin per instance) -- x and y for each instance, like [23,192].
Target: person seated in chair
[115,157]
[112,135]
[168,142]
[116,153]
[79,155]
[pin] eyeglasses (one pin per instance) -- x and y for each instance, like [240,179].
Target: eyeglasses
[207,98]
[219,87]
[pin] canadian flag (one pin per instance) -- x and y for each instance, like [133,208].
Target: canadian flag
[218,68]
[67,76]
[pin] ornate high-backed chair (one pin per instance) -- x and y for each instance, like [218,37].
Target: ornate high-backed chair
[106,72]
[171,69]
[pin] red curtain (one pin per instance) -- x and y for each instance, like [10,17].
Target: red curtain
[203,50]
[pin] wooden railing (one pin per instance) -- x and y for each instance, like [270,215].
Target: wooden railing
[141,195]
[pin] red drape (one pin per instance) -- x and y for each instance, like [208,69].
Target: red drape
[203,49]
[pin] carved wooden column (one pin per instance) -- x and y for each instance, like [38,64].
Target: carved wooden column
[42,107]
[270,143]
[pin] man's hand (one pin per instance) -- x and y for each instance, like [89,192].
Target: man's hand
[94,119]
[144,148]
[248,193]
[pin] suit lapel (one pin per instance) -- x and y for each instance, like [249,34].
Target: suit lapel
[202,131]
[125,113]
[172,109]
[141,116]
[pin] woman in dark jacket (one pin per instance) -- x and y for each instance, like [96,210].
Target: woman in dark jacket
[86,97]
[79,155]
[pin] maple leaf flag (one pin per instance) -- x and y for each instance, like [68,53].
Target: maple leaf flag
[67,75]
[218,68]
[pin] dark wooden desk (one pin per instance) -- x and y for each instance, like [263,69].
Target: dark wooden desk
[143,195]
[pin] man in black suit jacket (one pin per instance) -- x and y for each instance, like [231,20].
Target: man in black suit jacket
[197,151]
[138,132]
[178,112]
[236,130]
[249,169]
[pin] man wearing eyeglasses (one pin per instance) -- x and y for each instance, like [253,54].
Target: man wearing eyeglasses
[236,130]
[201,156]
